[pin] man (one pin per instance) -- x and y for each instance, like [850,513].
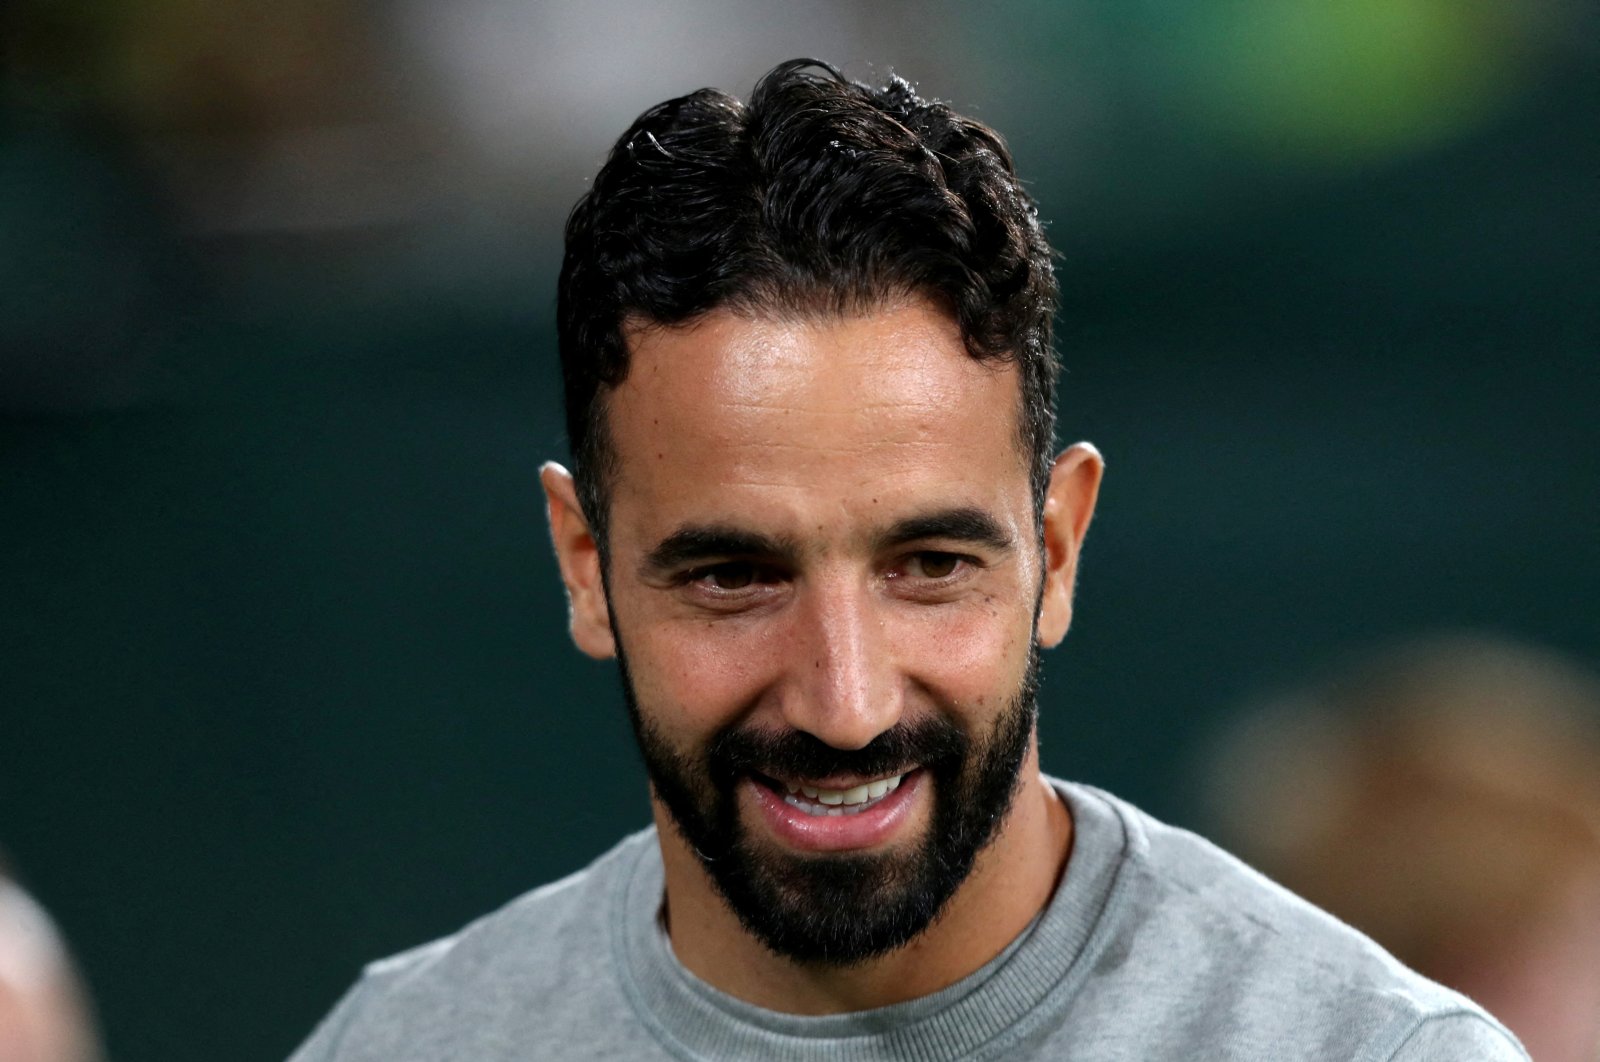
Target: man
[815,516]
[1455,818]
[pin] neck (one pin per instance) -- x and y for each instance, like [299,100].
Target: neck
[1011,881]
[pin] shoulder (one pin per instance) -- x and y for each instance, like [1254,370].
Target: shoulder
[1200,927]
[1454,1035]
[438,1000]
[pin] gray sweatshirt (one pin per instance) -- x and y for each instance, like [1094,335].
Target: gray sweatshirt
[1156,946]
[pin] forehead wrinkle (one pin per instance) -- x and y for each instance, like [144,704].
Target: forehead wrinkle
[856,408]
[847,449]
[866,424]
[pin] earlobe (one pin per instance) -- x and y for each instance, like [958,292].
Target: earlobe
[1068,508]
[578,555]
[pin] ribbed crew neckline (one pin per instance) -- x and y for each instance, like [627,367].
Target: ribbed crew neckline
[978,1016]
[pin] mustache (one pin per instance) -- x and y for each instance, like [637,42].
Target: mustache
[935,743]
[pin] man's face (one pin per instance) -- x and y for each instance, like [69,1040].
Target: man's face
[822,580]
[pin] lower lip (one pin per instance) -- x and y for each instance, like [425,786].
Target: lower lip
[837,833]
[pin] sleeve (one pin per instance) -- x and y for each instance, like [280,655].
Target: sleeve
[1460,1036]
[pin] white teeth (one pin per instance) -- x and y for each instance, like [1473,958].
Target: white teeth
[843,801]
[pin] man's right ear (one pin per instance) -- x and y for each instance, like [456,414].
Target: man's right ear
[588,615]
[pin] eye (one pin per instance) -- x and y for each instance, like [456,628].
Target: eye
[931,564]
[731,576]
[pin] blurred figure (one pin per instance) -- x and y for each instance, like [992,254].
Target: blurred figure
[44,1016]
[1444,798]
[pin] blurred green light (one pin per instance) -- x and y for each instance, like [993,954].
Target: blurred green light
[1349,80]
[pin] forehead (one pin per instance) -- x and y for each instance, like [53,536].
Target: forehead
[737,416]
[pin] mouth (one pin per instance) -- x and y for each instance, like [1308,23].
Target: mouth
[833,800]
[838,813]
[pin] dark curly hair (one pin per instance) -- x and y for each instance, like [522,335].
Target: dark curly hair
[820,195]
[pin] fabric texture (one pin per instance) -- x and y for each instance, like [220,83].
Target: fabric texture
[1156,946]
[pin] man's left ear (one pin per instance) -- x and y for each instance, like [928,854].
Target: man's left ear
[1068,506]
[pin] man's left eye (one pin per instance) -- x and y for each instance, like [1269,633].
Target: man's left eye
[933,565]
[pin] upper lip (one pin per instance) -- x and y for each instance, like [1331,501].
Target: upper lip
[841,781]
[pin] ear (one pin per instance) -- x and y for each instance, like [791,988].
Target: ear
[1068,505]
[588,614]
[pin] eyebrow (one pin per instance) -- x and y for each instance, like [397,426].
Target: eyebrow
[702,542]
[705,542]
[961,524]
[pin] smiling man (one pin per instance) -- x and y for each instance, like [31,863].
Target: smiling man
[825,586]
[817,517]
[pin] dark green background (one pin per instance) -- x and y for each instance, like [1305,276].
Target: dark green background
[283,665]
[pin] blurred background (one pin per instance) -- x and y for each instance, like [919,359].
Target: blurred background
[283,664]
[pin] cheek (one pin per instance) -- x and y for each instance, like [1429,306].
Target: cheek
[694,678]
[970,657]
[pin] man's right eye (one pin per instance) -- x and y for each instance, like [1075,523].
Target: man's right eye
[732,575]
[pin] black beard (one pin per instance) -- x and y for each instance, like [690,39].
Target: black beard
[841,909]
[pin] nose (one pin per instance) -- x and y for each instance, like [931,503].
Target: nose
[845,688]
